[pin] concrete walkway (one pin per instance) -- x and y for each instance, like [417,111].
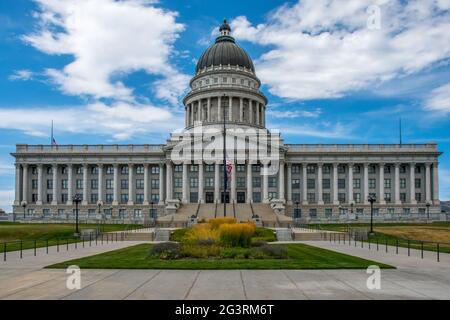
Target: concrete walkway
[414,279]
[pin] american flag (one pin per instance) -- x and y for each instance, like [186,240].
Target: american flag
[229,168]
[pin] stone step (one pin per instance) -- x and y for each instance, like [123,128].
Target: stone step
[139,236]
[284,234]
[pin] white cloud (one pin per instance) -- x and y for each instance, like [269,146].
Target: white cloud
[108,39]
[323,130]
[23,75]
[6,200]
[120,121]
[324,49]
[6,168]
[295,113]
[439,100]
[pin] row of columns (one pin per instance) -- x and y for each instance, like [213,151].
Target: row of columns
[194,111]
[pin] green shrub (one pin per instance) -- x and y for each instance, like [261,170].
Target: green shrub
[264,234]
[278,252]
[258,243]
[178,235]
[166,250]
[198,251]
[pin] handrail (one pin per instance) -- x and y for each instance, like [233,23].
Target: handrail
[234,210]
[198,209]
[215,210]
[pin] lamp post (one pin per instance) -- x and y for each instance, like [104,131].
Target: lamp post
[152,213]
[296,209]
[77,200]
[371,200]
[99,216]
[24,205]
[428,210]
[224,160]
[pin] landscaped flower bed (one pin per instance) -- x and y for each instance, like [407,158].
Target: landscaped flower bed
[220,238]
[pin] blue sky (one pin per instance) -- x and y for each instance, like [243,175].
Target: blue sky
[115,71]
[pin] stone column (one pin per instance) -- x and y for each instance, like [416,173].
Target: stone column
[304,184]
[161,184]
[219,108]
[146,189]
[100,183]
[427,182]
[381,184]
[25,182]
[130,184]
[281,181]
[289,183]
[17,186]
[249,183]
[335,184]
[201,181]
[55,184]
[319,183]
[412,183]
[85,184]
[199,110]
[366,183]
[350,183]
[265,183]
[216,182]
[241,109]
[230,109]
[69,184]
[185,183]
[263,114]
[435,184]
[209,109]
[233,183]
[116,185]
[397,183]
[186,116]
[250,111]
[39,194]
[257,113]
[169,180]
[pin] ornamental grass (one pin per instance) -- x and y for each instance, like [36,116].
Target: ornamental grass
[217,222]
[237,234]
[201,232]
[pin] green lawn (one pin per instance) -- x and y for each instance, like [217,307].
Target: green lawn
[301,256]
[27,233]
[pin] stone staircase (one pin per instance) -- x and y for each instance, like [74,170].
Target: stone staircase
[162,234]
[271,219]
[243,212]
[206,211]
[284,234]
[144,234]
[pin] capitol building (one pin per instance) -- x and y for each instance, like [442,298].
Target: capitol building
[264,177]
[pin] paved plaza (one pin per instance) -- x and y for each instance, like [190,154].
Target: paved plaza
[414,279]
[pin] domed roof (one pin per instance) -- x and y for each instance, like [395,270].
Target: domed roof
[225,52]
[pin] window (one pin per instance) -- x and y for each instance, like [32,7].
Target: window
[94,170]
[256,197]
[272,182]
[233,80]
[34,184]
[79,170]
[373,195]
[224,80]
[326,197]
[79,184]
[124,198]
[359,210]
[33,170]
[311,184]
[295,168]
[209,168]
[311,197]
[124,170]
[391,210]
[240,168]
[139,184]
[357,197]
[240,182]
[178,182]
[341,169]
[341,197]
[403,197]
[109,198]
[326,169]
[372,183]
[178,168]
[256,168]
[193,182]
[139,198]
[341,183]
[194,168]
[296,197]
[328,212]
[387,197]
[64,184]
[94,197]
[34,197]
[216,80]
[137,213]
[178,195]
[402,183]
[372,169]
[326,183]
[418,197]
[124,184]
[402,169]
[109,184]
[313,213]
[109,170]
[49,184]
[418,169]
[154,183]
[256,182]
[155,197]
[61,212]
[49,170]
[140,169]
[356,183]
[296,183]
[356,169]
[387,183]
[273,195]
[155,169]
[209,182]
[310,169]
[406,210]
[49,198]
[94,184]
[417,183]
[63,170]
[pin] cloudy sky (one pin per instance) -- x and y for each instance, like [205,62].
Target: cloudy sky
[109,71]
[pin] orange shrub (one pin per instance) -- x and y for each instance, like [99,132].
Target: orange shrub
[217,222]
[237,234]
[201,231]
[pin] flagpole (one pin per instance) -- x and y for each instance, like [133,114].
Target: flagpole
[224,163]
[51,138]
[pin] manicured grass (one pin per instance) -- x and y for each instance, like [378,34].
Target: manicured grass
[263,234]
[300,256]
[14,233]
